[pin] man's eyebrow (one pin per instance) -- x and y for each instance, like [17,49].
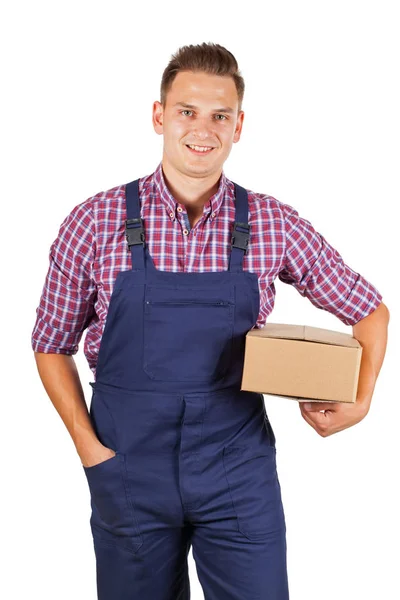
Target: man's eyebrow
[226,109]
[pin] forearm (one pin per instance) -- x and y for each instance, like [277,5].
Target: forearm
[61,381]
[372,333]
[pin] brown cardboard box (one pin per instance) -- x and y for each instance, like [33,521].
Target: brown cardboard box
[302,363]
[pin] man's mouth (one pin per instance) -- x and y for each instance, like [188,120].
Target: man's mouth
[199,149]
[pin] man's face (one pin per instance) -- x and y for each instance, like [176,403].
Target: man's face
[202,110]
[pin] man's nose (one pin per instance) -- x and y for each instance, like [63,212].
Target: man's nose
[202,129]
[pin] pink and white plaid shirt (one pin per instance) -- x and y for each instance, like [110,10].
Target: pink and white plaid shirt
[91,249]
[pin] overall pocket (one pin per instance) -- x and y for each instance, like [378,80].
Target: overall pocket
[255,490]
[187,340]
[113,517]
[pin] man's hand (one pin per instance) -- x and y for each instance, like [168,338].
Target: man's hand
[336,416]
[98,454]
[371,332]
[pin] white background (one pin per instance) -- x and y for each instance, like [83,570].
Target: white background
[321,133]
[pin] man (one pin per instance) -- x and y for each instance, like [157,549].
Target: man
[168,273]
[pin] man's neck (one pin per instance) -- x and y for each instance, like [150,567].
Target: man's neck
[192,192]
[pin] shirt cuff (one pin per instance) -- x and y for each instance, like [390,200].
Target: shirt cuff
[46,338]
[363,299]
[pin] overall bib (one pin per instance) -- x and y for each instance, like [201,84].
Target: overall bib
[195,462]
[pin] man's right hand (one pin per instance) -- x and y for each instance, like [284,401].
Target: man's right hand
[99,454]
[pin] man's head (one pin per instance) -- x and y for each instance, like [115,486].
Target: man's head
[201,104]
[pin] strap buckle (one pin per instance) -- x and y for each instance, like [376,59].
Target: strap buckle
[240,239]
[134,232]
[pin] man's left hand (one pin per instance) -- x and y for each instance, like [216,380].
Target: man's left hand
[336,416]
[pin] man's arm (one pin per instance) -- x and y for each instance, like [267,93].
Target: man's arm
[65,309]
[318,272]
[372,333]
[61,381]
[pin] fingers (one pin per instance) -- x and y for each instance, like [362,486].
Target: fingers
[309,421]
[320,421]
[317,406]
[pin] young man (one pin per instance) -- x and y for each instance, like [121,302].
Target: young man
[168,274]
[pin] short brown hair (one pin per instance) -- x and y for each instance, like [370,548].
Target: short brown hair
[206,57]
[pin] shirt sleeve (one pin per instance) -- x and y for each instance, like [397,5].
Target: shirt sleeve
[66,304]
[318,272]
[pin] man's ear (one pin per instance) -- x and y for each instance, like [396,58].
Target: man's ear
[158,117]
[238,128]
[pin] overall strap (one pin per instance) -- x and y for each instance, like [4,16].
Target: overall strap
[134,230]
[241,230]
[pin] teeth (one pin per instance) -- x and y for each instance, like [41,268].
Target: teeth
[199,148]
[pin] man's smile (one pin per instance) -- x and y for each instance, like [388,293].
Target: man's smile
[199,149]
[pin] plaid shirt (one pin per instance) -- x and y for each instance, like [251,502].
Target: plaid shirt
[91,249]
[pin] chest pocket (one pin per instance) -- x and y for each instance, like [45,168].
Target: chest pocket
[187,338]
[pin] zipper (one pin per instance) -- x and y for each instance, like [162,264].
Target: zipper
[187,303]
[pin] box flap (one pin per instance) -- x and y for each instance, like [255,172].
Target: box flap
[305,333]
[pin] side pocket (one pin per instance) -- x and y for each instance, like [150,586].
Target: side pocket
[113,519]
[255,491]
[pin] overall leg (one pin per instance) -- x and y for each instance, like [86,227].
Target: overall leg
[157,571]
[239,537]
[232,567]
[141,540]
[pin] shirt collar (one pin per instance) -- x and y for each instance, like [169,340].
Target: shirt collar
[211,207]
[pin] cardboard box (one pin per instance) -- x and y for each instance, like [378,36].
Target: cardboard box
[302,363]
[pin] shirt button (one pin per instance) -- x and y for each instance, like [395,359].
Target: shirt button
[179,209]
[213,215]
[171,214]
[185,232]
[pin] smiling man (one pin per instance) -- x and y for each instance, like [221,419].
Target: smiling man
[168,273]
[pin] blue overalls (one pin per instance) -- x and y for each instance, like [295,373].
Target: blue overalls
[195,461]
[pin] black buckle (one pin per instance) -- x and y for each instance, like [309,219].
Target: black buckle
[240,239]
[135,234]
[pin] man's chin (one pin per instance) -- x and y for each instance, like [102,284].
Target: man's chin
[200,169]
[198,166]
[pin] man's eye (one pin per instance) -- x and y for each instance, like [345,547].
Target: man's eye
[219,115]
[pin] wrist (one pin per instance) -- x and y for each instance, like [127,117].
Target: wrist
[88,448]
